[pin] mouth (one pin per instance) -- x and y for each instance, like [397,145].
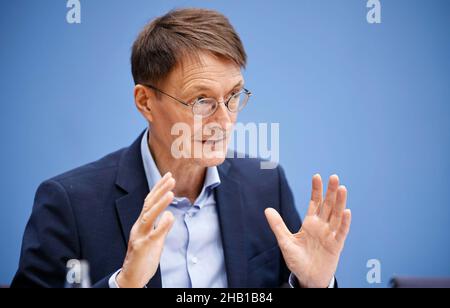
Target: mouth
[212,141]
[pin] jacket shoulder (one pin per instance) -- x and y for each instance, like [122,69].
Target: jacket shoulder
[106,165]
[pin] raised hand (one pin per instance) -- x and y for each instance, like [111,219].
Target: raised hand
[147,240]
[313,253]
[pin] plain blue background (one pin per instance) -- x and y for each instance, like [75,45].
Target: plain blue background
[369,102]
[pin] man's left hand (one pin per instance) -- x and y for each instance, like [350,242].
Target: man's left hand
[312,254]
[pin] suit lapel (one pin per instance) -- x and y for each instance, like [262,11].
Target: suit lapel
[231,216]
[131,178]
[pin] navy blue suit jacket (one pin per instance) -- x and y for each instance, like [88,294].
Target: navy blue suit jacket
[88,213]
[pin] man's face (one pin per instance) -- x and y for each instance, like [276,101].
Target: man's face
[207,142]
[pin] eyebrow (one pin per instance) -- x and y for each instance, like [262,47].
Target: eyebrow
[201,88]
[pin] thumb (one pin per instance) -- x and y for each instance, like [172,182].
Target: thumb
[278,226]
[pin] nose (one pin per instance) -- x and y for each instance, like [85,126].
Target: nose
[222,115]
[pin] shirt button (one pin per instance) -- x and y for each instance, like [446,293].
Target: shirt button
[190,214]
[194,260]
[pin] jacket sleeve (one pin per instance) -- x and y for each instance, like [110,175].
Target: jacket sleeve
[290,216]
[49,241]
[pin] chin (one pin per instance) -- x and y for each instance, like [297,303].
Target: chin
[211,162]
[213,156]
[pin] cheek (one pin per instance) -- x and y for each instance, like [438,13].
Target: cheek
[168,118]
[230,125]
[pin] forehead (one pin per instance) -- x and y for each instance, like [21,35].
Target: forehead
[206,71]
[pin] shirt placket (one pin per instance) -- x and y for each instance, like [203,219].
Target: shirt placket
[192,257]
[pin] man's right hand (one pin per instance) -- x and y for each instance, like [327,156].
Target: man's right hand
[147,240]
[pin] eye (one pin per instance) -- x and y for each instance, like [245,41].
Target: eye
[200,97]
[234,92]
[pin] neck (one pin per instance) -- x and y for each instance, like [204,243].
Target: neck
[188,176]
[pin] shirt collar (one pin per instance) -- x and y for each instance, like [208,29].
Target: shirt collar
[212,178]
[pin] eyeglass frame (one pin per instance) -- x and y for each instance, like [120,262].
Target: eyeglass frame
[226,103]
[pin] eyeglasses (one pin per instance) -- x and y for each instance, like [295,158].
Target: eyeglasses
[206,107]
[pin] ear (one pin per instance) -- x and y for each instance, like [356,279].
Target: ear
[144,98]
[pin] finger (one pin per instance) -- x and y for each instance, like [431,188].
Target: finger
[149,218]
[342,233]
[278,226]
[338,209]
[146,206]
[160,192]
[164,226]
[160,183]
[157,193]
[330,198]
[316,195]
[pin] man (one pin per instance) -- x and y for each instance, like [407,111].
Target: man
[155,214]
